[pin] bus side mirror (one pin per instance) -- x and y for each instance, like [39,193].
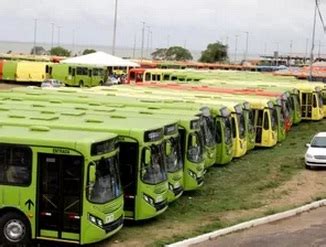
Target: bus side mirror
[168,148]
[147,156]
[308,145]
[92,173]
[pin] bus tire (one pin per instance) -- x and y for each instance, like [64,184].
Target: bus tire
[81,84]
[14,229]
[101,83]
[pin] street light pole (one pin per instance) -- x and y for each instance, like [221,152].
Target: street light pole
[313,40]
[35,31]
[247,44]
[142,40]
[148,34]
[52,34]
[115,26]
[59,27]
[134,48]
[236,48]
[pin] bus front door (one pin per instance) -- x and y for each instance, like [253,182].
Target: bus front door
[59,197]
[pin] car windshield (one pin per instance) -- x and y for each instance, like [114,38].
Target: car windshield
[195,148]
[173,160]
[154,172]
[107,185]
[319,142]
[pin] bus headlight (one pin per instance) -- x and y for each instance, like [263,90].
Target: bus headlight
[192,174]
[171,187]
[95,220]
[149,200]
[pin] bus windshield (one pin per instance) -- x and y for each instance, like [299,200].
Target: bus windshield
[174,160]
[242,128]
[228,130]
[208,130]
[195,148]
[251,120]
[107,185]
[320,96]
[154,172]
[273,114]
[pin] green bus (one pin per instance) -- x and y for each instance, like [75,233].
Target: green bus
[141,154]
[75,96]
[58,185]
[77,75]
[178,159]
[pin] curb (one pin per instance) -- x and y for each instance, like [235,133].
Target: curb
[249,224]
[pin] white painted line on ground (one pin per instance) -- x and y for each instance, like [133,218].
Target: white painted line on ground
[249,224]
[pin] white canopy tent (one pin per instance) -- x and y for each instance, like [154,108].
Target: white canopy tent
[101,59]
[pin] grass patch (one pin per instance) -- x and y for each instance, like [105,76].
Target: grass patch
[244,184]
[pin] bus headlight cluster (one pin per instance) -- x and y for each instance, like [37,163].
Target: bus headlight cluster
[149,200]
[171,187]
[95,220]
[192,174]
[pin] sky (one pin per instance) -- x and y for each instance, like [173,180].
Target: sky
[271,24]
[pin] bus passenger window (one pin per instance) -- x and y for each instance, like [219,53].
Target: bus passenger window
[234,126]
[15,165]
[90,73]
[266,124]
[260,118]
[147,77]
[69,70]
[73,72]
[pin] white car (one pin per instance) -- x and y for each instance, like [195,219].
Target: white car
[316,153]
[52,83]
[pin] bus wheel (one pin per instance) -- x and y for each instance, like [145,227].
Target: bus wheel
[101,83]
[81,84]
[14,230]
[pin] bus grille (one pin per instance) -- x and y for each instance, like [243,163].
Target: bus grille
[160,205]
[113,225]
[177,191]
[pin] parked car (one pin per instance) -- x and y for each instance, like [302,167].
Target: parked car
[316,153]
[52,83]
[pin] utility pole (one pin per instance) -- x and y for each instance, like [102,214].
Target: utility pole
[291,46]
[236,48]
[115,26]
[35,31]
[313,40]
[52,34]
[319,45]
[151,42]
[168,41]
[142,41]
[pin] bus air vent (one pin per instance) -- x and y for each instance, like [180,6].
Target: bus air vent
[55,101]
[39,128]
[45,118]
[16,116]
[93,121]
[4,109]
[73,113]
[118,117]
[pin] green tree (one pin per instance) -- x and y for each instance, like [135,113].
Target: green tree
[38,50]
[215,52]
[88,51]
[178,53]
[159,54]
[60,51]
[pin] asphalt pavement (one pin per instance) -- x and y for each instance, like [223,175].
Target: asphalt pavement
[307,229]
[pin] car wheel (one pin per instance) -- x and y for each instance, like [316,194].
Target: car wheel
[14,230]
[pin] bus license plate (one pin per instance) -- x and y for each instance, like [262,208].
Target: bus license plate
[159,199]
[109,218]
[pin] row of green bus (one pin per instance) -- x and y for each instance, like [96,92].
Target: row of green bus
[80,161]
[37,72]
